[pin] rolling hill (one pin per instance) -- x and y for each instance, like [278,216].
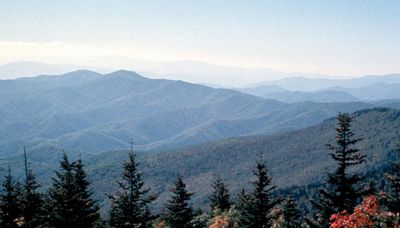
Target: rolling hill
[92,112]
[325,96]
[316,84]
[365,89]
[294,158]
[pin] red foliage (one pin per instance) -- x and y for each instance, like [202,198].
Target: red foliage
[367,214]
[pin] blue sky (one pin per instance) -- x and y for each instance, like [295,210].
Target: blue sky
[330,37]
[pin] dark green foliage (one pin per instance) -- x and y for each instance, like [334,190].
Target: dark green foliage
[130,204]
[241,200]
[178,213]
[258,204]
[393,199]
[32,201]
[344,191]
[86,206]
[70,202]
[61,195]
[220,197]
[298,158]
[10,202]
[291,214]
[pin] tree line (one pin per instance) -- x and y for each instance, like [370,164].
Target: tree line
[68,202]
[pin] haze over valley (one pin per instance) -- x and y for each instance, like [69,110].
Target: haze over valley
[77,110]
[96,115]
[199,114]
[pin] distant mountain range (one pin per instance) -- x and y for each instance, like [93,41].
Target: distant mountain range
[92,112]
[189,71]
[315,84]
[292,90]
[29,69]
[187,129]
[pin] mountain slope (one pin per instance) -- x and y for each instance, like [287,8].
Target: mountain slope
[263,89]
[91,112]
[386,87]
[116,107]
[377,91]
[294,158]
[325,96]
[315,84]
[29,69]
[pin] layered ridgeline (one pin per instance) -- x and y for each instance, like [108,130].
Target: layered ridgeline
[92,112]
[300,89]
[295,158]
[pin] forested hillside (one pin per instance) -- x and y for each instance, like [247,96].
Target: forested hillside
[91,112]
[295,158]
[191,133]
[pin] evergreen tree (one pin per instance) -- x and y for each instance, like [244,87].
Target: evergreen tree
[220,198]
[291,214]
[85,206]
[10,203]
[178,213]
[241,202]
[258,204]
[70,204]
[32,200]
[344,191]
[129,206]
[393,200]
[61,194]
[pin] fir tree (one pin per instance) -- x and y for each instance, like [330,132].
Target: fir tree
[291,214]
[393,199]
[70,204]
[129,206]
[61,194]
[220,198]
[85,206]
[10,203]
[178,213]
[258,204]
[242,198]
[343,192]
[32,200]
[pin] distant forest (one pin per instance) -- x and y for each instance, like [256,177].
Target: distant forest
[346,198]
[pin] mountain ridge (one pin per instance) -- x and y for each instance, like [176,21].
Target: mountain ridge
[295,158]
[78,109]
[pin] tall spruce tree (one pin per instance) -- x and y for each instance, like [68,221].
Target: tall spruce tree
[32,201]
[61,195]
[130,205]
[178,213]
[242,198]
[291,214]
[220,197]
[10,203]
[393,199]
[344,190]
[86,207]
[70,204]
[258,204]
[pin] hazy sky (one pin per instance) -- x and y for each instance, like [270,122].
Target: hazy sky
[331,37]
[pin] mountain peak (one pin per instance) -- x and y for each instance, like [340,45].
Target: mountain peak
[126,74]
[81,72]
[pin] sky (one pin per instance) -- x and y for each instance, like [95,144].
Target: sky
[341,37]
